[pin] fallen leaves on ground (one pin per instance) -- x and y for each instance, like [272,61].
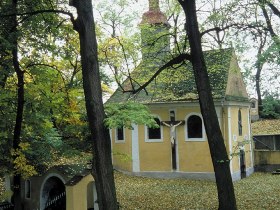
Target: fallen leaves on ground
[259,191]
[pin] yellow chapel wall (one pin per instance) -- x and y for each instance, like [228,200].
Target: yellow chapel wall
[194,156]
[80,196]
[237,139]
[248,138]
[122,150]
[155,156]
[225,129]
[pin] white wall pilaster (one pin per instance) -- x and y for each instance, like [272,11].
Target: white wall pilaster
[135,149]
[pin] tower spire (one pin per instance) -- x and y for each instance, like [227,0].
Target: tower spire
[154,15]
[154,5]
[154,33]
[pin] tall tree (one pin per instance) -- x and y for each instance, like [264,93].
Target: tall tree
[218,151]
[275,41]
[259,67]
[103,170]
[118,43]
[20,104]
[102,163]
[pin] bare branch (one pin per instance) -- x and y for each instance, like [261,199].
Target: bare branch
[267,19]
[235,25]
[177,60]
[273,8]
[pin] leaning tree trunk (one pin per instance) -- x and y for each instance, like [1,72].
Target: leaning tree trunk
[17,128]
[215,139]
[102,161]
[20,104]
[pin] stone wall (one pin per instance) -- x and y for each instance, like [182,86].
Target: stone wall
[266,160]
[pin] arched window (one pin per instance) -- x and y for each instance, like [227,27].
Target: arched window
[120,134]
[154,133]
[239,123]
[194,128]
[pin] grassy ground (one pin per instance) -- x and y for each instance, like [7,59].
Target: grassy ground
[259,191]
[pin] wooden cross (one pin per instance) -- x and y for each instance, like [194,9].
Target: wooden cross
[172,124]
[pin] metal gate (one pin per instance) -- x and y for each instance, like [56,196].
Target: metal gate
[6,206]
[58,202]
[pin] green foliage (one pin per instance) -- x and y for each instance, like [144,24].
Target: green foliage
[271,54]
[125,114]
[6,195]
[54,119]
[118,54]
[118,45]
[271,107]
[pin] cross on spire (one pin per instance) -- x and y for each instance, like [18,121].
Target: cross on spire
[153,5]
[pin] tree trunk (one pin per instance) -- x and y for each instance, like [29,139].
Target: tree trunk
[258,89]
[215,139]
[102,161]
[259,66]
[20,105]
[17,128]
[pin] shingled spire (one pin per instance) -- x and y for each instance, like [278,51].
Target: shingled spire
[154,33]
[153,5]
[154,15]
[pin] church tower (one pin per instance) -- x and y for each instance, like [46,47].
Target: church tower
[154,33]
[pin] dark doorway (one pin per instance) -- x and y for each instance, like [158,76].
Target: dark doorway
[53,194]
[242,164]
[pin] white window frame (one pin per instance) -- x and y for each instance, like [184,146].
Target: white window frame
[116,136]
[186,128]
[147,133]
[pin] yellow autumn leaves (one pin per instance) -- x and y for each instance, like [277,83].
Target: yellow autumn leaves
[259,191]
[20,162]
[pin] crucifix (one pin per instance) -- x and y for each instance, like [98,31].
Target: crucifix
[172,124]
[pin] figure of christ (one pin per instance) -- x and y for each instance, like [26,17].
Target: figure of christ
[172,125]
[172,129]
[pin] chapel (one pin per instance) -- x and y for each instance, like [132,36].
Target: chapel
[179,147]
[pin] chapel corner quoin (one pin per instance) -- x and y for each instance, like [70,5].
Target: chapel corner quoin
[179,147]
